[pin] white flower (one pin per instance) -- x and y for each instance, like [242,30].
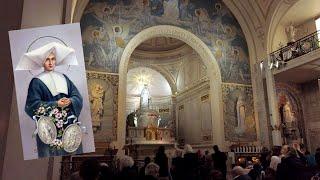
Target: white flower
[41,110]
[64,113]
[59,124]
[57,143]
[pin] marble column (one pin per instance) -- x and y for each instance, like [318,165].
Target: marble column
[173,116]
[261,114]
[273,106]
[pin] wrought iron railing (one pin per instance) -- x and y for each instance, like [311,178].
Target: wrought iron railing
[293,50]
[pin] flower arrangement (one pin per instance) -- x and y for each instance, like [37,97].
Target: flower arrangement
[59,117]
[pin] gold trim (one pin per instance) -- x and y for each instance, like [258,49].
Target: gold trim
[113,79]
[205,97]
[236,84]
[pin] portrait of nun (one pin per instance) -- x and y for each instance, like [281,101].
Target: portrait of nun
[52,89]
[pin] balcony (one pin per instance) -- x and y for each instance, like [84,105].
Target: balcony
[299,61]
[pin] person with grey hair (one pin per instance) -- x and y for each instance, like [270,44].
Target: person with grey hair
[238,173]
[152,169]
[127,170]
[188,148]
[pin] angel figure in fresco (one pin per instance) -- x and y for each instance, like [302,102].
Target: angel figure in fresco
[171,9]
[96,99]
[51,89]
[184,13]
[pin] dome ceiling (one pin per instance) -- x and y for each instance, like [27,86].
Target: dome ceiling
[138,77]
[160,44]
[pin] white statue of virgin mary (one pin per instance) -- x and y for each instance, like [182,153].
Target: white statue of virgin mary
[144,98]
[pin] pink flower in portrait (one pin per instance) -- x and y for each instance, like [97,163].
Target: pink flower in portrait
[55,111]
[59,124]
[58,115]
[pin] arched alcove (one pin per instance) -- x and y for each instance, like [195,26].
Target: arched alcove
[207,57]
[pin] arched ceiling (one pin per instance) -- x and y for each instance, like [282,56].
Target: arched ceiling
[258,19]
[301,11]
[163,55]
[157,84]
[160,44]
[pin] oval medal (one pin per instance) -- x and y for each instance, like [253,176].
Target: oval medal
[47,131]
[71,138]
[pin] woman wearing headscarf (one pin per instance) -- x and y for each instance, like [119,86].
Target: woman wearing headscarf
[51,90]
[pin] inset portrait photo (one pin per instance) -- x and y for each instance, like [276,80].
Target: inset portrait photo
[51,91]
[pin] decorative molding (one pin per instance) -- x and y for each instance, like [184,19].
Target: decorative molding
[290,2]
[166,110]
[174,33]
[264,6]
[163,54]
[236,84]
[205,97]
[195,89]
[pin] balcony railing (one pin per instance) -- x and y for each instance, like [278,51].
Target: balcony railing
[309,43]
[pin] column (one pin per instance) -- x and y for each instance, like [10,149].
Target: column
[261,114]
[273,106]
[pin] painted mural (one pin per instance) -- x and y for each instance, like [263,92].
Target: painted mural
[108,25]
[103,90]
[239,121]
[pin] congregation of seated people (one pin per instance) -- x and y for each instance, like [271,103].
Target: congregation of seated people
[281,163]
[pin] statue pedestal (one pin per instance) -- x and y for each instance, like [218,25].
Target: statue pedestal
[139,151]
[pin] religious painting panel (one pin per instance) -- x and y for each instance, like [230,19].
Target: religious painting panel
[51,91]
[103,93]
[239,119]
[290,112]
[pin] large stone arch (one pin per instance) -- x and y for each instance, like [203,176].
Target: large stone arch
[207,57]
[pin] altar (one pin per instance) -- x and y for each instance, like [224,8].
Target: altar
[144,136]
[142,142]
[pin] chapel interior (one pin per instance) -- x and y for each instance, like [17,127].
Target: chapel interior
[240,74]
